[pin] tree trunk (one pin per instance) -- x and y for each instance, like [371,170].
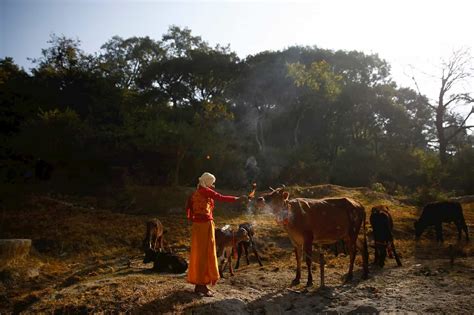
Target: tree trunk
[297,129]
[443,144]
[179,159]
[259,134]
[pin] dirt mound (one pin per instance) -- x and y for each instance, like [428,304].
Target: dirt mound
[363,194]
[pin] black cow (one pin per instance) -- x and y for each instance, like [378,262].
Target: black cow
[382,227]
[245,244]
[439,212]
[165,261]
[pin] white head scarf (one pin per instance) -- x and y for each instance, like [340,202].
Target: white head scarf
[206,180]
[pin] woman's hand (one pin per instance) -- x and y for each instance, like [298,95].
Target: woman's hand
[244,199]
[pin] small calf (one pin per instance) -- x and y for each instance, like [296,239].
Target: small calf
[245,244]
[226,241]
[165,261]
[382,226]
[153,236]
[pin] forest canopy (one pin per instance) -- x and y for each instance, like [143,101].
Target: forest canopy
[160,112]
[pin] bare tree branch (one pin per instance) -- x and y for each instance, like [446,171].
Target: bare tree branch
[419,93]
[461,127]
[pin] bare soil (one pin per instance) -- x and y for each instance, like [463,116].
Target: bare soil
[420,286]
[97,278]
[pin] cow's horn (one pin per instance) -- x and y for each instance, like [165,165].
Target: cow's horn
[271,188]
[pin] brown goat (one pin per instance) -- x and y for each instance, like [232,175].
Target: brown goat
[226,242]
[154,236]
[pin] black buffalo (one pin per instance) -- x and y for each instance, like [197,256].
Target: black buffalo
[165,261]
[439,212]
[382,227]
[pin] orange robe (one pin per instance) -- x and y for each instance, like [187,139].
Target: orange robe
[203,268]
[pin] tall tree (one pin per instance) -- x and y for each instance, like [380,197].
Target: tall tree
[455,72]
[319,81]
[123,60]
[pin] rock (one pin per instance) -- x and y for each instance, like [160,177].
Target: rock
[363,310]
[32,273]
[12,250]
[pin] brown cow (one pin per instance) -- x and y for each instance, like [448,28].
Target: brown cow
[382,227]
[226,242]
[153,236]
[320,221]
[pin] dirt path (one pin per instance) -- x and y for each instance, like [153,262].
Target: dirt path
[423,286]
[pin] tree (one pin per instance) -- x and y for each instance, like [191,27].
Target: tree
[64,55]
[13,85]
[123,60]
[455,71]
[262,89]
[319,81]
[178,42]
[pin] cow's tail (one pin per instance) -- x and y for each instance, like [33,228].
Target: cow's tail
[365,250]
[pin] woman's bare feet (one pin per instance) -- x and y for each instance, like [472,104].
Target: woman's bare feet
[204,290]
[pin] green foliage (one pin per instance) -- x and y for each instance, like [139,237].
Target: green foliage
[461,172]
[318,78]
[354,166]
[429,168]
[378,187]
[55,136]
[163,111]
[123,60]
[425,194]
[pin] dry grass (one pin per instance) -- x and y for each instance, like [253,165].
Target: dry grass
[13,250]
[77,242]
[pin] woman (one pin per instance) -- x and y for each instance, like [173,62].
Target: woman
[203,268]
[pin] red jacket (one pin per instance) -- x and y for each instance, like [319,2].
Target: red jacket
[200,205]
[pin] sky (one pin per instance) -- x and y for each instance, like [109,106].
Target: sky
[412,35]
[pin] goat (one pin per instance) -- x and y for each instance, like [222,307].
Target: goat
[245,244]
[226,240]
[153,236]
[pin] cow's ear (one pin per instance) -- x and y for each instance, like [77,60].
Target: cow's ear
[286,195]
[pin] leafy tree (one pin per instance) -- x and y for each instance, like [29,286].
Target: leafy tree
[13,82]
[319,81]
[179,42]
[123,60]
